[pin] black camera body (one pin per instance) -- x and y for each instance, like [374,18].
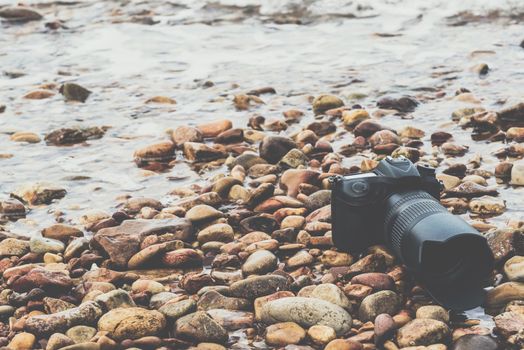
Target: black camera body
[397,205]
[359,201]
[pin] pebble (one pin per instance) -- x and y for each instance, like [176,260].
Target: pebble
[475,342]
[376,280]
[41,245]
[273,148]
[422,332]
[61,232]
[58,341]
[343,344]
[502,294]
[514,269]
[333,294]
[81,334]
[517,173]
[214,233]
[200,327]
[260,262]
[402,104]
[131,323]
[384,328]
[301,258]
[25,136]
[323,103]
[13,247]
[19,14]
[158,152]
[509,323]
[307,312]
[175,310]
[39,193]
[487,205]
[434,312]
[203,212]
[331,258]
[86,313]
[321,335]
[258,286]
[383,302]
[22,341]
[285,333]
[74,92]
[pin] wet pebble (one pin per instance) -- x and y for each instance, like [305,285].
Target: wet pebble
[260,262]
[383,302]
[285,333]
[131,323]
[422,332]
[200,327]
[307,312]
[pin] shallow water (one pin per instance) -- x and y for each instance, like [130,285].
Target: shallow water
[301,48]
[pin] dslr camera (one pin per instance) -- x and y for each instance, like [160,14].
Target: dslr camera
[397,205]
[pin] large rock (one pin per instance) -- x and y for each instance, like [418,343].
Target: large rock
[122,242]
[200,327]
[422,332]
[132,323]
[307,312]
[85,314]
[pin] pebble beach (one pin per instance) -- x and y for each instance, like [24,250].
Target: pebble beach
[166,165]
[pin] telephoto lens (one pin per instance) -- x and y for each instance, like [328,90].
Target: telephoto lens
[398,205]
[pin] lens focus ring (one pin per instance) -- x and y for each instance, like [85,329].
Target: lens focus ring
[410,208]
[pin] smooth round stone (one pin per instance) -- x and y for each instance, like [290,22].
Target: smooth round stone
[324,103]
[514,269]
[203,212]
[333,294]
[307,312]
[132,323]
[22,341]
[302,258]
[475,342]
[200,327]
[217,232]
[321,335]
[42,245]
[152,287]
[260,262]
[343,344]
[282,334]
[81,334]
[58,341]
[434,312]
[383,302]
[174,311]
[423,331]
[13,247]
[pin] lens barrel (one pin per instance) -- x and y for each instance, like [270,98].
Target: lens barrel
[450,256]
